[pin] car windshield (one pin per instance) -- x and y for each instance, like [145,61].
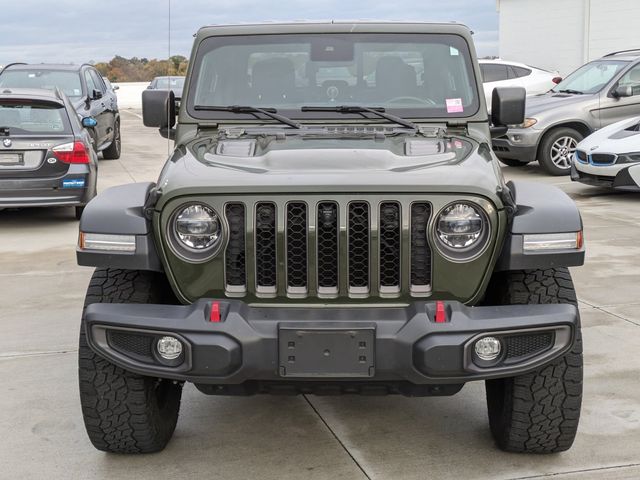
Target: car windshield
[591,78]
[27,118]
[169,82]
[419,75]
[68,82]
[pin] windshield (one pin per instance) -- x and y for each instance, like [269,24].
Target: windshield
[27,118]
[592,77]
[166,82]
[68,82]
[421,75]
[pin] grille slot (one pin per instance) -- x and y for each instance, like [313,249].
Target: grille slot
[390,232]
[420,249]
[521,346]
[328,255]
[265,245]
[297,247]
[358,247]
[133,345]
[235,255]
[603,159]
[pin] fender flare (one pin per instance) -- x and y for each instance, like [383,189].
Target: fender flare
[539,208]
[121,211]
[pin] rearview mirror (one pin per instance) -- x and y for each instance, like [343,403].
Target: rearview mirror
[89,122]
[623,91]
[507,108]
[115,87]
[158,109]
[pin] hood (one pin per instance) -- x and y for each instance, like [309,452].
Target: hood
[620,137]
[552,100]
[299,165]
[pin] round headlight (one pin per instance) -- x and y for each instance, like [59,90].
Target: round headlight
[460,226]
[198,227]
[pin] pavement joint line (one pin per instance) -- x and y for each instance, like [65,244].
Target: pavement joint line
[335,436]
[604,310]
[10,355]
[570,472]
[132,113]
[40,273]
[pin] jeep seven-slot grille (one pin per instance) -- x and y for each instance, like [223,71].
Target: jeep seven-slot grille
[328,249]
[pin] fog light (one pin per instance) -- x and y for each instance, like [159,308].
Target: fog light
[169,348]
[488,348]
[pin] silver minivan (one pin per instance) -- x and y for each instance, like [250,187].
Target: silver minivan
[597,94]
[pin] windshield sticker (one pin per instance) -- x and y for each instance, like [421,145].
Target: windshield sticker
[453,52]
[454,105]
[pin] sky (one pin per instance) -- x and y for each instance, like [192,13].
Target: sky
[77,31]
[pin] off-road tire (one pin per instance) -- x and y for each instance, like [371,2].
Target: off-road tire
[544,153]
[112,152]
[512,162]
[124,412]
[537,412]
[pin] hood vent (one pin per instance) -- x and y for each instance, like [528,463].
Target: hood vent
[415,148]
[236,148]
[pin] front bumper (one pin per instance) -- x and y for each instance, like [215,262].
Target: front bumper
[605,177]
[257,343]
[518,144]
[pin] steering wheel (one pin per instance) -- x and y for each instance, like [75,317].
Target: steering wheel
[424,101]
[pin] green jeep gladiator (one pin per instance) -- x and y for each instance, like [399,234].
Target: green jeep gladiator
[331,220]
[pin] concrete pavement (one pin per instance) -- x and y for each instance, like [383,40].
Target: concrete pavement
[41,294]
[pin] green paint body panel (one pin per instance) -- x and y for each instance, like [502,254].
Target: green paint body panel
[340,170]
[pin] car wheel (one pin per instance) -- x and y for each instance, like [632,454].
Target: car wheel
[557,148]
[512,162]
[113,151]
[124,412]
[537,412]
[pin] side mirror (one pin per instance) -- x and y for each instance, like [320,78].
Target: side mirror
[158,109]
[89,122]
[507,108]
[150,87]
[623,91]
[115,87]
[96,95]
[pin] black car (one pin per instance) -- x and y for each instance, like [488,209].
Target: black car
[46,156]
[174,84]
[86,90]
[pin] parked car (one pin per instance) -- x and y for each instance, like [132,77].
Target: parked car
[175,84]
[87,91]
[293,244]
[110,86]
[610,157]
[597,94]
[500,73]
[46,156]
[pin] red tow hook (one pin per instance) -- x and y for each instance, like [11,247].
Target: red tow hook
[214,316]
[441,314]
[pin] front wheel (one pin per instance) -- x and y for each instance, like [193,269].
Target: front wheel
[114,150]
[557,149]
[537,412]
[125,412]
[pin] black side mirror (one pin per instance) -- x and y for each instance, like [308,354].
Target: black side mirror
[96,95]
[158,109]
[507,108]
[623,91]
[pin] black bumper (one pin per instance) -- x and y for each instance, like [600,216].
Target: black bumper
[292,344]
[75,188]
[503,148]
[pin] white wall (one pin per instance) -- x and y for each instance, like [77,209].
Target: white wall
[130,94]
[564,34]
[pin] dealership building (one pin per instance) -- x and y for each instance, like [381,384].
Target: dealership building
[562,35]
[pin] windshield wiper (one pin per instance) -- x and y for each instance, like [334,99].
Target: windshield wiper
[269,112]
[569,90]
[379,111]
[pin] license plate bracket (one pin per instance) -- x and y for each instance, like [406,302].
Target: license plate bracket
[326,352]
[11,159]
